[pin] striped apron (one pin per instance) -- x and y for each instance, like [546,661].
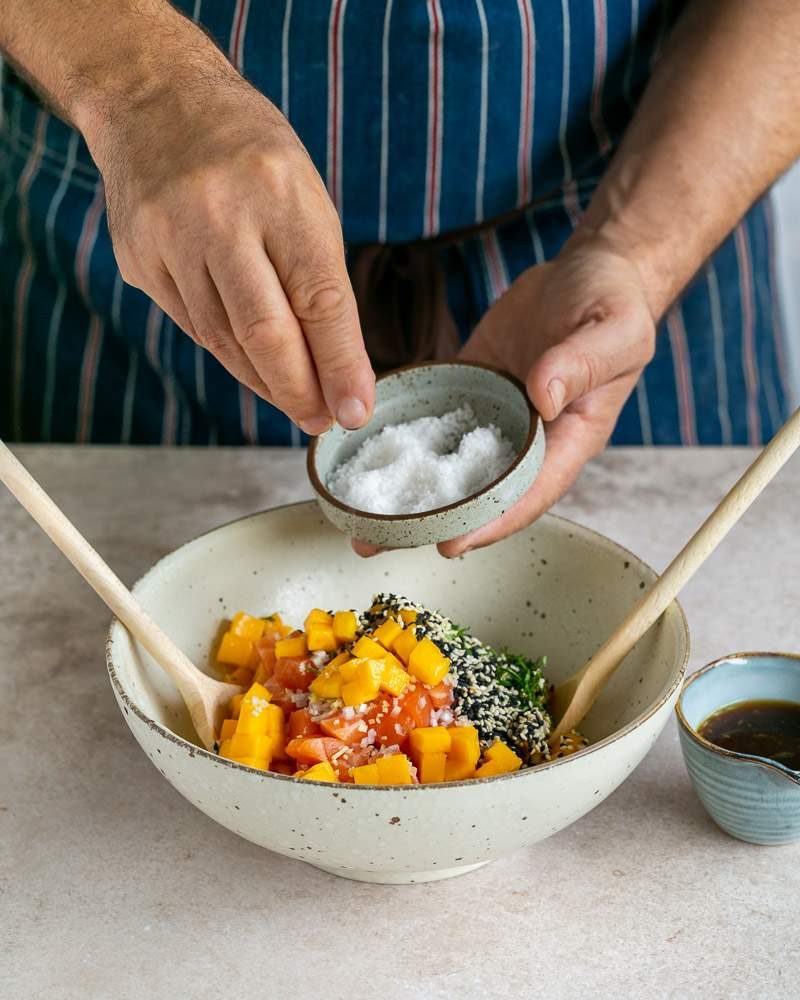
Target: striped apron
[425,117]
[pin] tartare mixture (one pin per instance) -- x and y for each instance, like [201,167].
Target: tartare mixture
[423,464]
[395,695]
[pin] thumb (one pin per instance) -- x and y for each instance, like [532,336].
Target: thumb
[587,359]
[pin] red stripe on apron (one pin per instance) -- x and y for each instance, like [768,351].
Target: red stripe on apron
[749,364]
[683,376]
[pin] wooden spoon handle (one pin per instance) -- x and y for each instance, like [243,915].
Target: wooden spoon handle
[96,572]
[682,568]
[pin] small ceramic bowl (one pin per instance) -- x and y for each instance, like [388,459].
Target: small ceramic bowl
[752,798]
[553,588]
[432,390]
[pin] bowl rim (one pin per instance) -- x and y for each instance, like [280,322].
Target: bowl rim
[694,735]
[535,428]
[193,749]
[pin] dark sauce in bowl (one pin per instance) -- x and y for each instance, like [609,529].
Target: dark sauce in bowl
[760,728]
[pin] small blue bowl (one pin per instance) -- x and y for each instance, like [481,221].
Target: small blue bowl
[752,798]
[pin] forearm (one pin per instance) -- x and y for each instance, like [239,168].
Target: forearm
[719,121]
[93,60]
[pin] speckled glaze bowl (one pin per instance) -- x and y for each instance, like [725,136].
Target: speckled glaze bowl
[432,390]
[555,588]
[751,798]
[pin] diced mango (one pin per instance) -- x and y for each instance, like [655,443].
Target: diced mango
[345,624]
[247,626]
[224,748]
[274,621]
[276,721]
[235,705]
[316,616]
[328,683]
[367,647]
[227,730]
[348,668]
[235,650]
[253,711]
[319,772]
[394,679]
[404,643]
[366,774]
[320,637]
[499,759]
[394,770]
[409,615]
[249,745]
[465,746]
[387,633]
[430,739]
[427,663]
[261,763]
[431,767]
[366,683]
[458,770]
[337,661]
[294,645]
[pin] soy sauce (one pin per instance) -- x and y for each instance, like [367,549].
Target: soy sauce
[764,728]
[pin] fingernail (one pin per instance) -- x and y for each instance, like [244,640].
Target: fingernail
[351,413]
[316,426]
[557,391]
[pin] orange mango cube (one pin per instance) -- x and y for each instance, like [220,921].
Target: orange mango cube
[366,774]
[465,746]
[319,772]
[247,626]
[365,684]
[431,767]
[293,645]
[320,637]
[235,650]
[427,664]
[404,643]
[430,739]
[227,730]
[328,683]
[394,770]
[499,759]
[458,770]
[345,624]
[387,633]
[394,679]
[409,615]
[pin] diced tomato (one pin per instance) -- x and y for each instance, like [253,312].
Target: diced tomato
[313,749]
[442,695]
[350,731]
[355,757]
[279,694]
[294,672]
[283,766]
[266,654]
[301,724]
[417,705]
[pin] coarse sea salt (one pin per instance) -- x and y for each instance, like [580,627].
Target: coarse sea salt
[423,464]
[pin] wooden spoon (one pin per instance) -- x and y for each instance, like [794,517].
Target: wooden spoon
[573,699]
[205,698]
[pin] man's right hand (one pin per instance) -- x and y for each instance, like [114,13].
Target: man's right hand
[217,213]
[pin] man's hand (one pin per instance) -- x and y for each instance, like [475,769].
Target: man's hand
[215,209]
[218,214]
[578,332]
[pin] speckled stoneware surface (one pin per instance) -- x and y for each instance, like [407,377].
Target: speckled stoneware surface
[556,588]
[752,798]
[433,390]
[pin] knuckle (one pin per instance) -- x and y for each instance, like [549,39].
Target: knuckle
[212,338]
[322,300]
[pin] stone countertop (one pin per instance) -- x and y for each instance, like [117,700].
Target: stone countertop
[114,886]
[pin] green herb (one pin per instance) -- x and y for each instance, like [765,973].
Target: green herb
[523,675]
[457,631]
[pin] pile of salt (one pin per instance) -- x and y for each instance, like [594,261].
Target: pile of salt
[423,464]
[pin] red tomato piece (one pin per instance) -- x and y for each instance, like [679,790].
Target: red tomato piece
[417,705]
[283,766]
[350,731]
[442,695]
[313,749]
[301,724]
[295,673]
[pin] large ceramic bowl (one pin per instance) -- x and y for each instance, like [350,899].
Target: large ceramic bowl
[433,389]
[556,588]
